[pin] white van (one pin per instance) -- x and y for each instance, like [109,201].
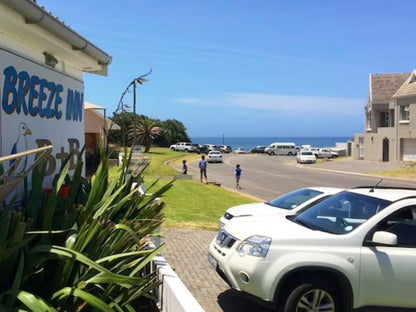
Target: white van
[281,148]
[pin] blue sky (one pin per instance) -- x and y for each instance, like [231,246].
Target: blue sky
[245,68]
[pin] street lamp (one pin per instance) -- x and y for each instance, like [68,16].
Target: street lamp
[140,80]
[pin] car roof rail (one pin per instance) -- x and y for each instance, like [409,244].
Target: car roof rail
[384,187]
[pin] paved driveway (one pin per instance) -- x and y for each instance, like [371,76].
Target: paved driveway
[264,178]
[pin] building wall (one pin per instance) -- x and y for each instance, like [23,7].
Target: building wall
[94,123]
[373,144]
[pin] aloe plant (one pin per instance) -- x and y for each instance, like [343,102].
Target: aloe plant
[87,252]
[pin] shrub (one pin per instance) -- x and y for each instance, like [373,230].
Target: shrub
[86,252]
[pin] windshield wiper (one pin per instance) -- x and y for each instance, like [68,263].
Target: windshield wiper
[311,226]
[302,223]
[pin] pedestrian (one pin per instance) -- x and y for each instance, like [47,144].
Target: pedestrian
[184,167]
[203,168]
[238,172]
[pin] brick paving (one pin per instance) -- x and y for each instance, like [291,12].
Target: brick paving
[186,252]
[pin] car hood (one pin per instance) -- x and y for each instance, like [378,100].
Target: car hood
[256,209]
[271,226]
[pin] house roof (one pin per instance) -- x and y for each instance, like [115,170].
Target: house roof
[93,108]
[408,88]
[384,86]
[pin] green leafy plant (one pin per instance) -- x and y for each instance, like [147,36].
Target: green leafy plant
[89,251]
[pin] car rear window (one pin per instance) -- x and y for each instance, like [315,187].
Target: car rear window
[293,199]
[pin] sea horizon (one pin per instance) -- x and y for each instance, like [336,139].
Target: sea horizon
[250,142]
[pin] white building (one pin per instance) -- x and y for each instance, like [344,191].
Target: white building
[42,62]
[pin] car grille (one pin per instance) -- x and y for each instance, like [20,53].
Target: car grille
[224,239]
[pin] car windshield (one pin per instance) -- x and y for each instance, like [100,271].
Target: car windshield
[293,199]
[306,153]
[341,213]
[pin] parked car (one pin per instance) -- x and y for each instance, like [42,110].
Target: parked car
[212,147]
[326,153]
[258,149]
[305,157]
[214,156]
[281,148]
[240,150]
[225,148]
[184,147]
[353,250]
[289,203]
[322,152]
[202,149]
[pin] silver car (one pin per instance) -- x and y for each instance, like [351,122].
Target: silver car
[214,156]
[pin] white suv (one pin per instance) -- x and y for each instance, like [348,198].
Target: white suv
[283,205]
[355,249]
[184,147]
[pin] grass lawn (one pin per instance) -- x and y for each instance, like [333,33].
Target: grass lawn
[193,204]
[188,203]
[161,157]
[407,173]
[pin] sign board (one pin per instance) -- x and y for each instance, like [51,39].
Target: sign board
[39,106]
[137,149]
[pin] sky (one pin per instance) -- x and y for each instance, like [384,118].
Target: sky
[270,68]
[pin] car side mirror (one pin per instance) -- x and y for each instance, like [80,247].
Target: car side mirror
[384,238]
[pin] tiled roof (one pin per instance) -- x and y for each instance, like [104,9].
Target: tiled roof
[408,88]
[384,86]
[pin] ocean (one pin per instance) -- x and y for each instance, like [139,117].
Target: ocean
[250,142]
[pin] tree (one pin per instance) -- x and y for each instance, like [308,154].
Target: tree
[124,120]
[144,131]
[173,131]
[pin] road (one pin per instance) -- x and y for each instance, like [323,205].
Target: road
[267,177]
[264,177]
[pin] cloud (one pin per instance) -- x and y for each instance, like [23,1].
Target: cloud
[282,103]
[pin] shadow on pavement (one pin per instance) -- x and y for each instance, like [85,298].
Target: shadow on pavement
[232,301]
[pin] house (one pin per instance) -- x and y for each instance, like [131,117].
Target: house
[390,119]
[96,125]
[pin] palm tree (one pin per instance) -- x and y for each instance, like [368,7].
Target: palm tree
[143,131]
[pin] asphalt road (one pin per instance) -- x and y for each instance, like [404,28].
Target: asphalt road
[264,177]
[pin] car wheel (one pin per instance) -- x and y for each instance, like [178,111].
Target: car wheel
[314,295]
[172,149]
[185,150]
[271,153]
[289,154]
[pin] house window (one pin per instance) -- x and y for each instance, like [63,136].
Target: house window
[404,113]
[391,118]
[384,119]
[369,121]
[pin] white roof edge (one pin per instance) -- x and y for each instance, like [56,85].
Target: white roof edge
[88,105]
[35,14]
[396,94]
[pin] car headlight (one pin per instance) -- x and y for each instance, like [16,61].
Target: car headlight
[256,246]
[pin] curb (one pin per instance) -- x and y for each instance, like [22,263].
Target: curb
[172,293]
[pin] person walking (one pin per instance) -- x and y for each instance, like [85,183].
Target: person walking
[203,168]
[238,172]
[184,167]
